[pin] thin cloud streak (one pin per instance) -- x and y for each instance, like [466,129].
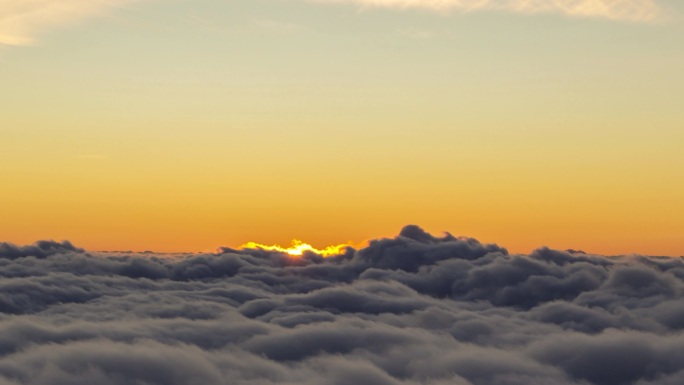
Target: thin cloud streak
[625,10]
[21,21]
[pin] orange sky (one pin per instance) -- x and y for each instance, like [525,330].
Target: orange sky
[184,126]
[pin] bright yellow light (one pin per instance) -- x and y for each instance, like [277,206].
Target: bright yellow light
[298,248]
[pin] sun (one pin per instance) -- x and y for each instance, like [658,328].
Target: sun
[298,248]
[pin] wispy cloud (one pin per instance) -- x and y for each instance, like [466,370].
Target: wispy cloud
[626,10]
[21,21]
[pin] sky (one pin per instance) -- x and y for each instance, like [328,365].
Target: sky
[186,125]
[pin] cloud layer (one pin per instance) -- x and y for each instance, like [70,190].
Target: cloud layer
[21,21]
[414,309]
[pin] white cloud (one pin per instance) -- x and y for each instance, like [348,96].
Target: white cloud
[22,20]
[627,10]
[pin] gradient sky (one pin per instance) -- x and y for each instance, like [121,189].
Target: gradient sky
[186,125]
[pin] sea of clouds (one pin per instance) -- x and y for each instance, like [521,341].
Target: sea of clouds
[415,309]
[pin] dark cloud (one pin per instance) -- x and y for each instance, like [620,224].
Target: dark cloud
[414,309]
[40,249]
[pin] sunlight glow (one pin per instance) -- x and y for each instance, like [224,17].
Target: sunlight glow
[298,248]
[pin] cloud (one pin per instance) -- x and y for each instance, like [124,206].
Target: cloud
[22,20]
[40,249]
[627,10]
[415,309]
